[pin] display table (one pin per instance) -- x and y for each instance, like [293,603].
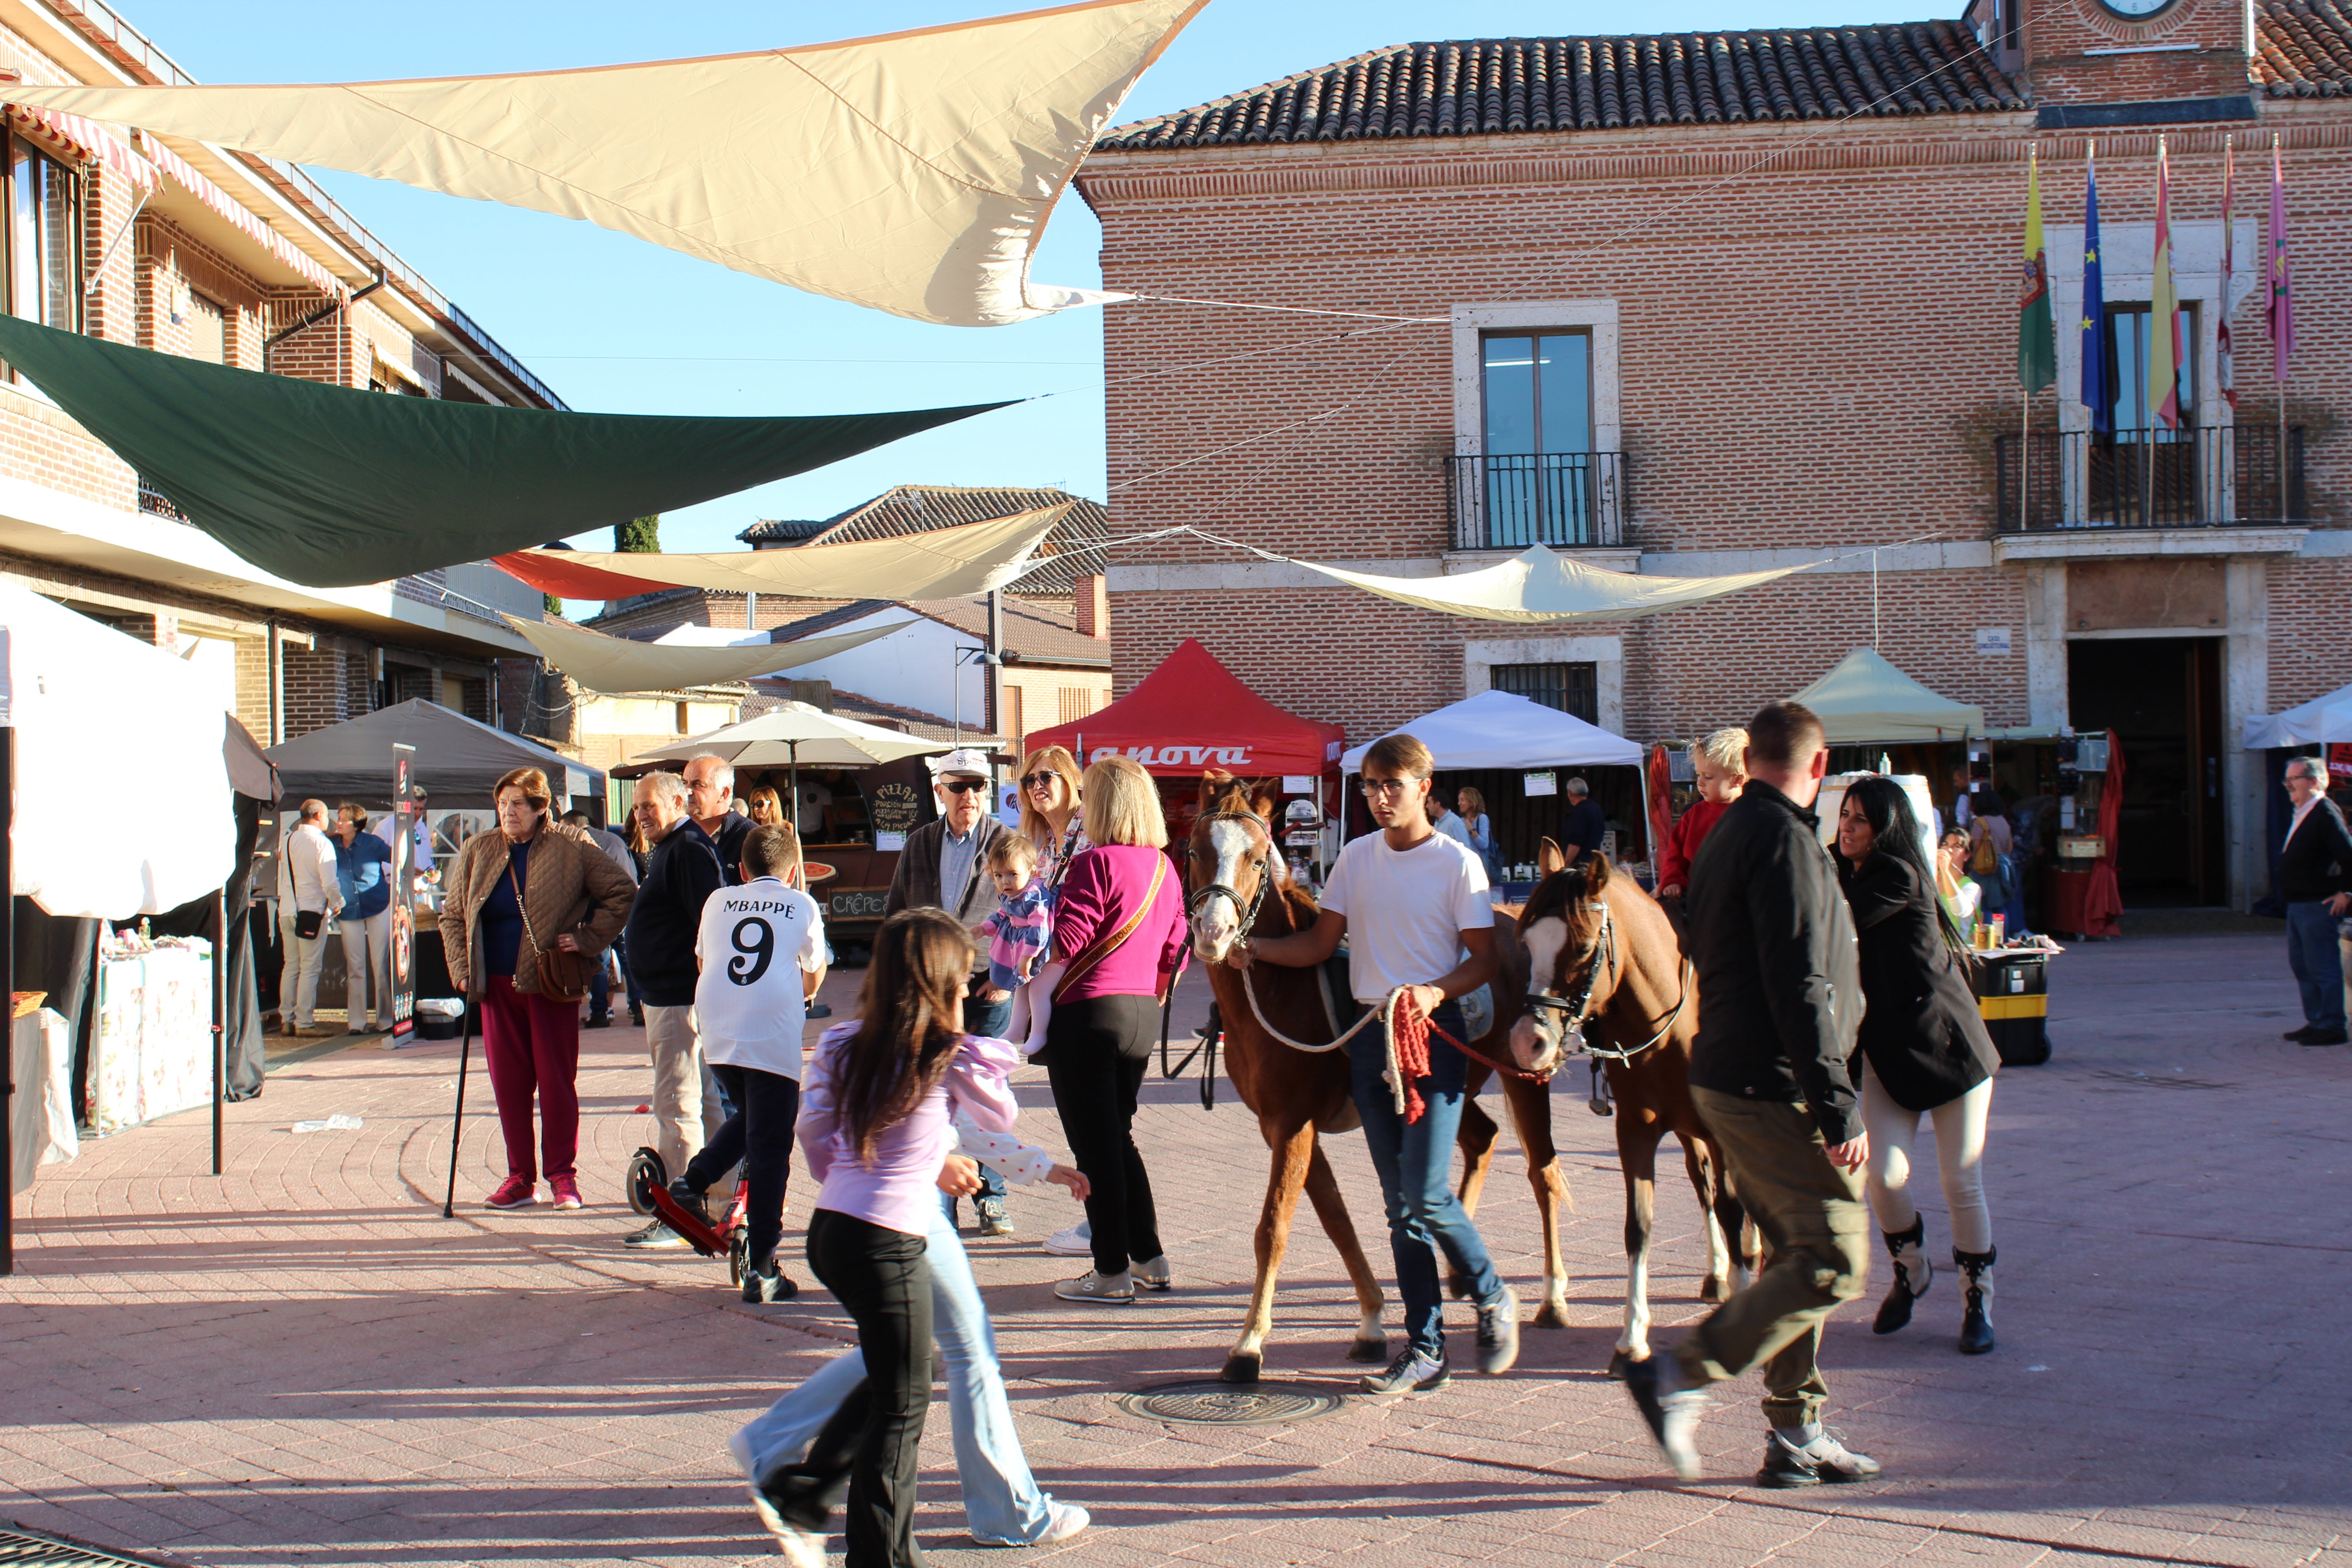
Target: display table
[152,1053]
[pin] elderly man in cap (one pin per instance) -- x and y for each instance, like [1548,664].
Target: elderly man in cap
[945,866]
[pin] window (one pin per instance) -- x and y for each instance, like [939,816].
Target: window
[1572,688]
[2128,343]
[1538,393]
[207,330]
[41,249]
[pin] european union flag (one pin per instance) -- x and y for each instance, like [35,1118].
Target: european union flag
[2097,395]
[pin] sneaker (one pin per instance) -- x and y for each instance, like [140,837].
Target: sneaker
[655,1235]
[689,1197]
[1671,1411]
[1413,1372]
[801,1546]
[515,1193]
[566,1190]
[1093,1286]
[2325,1037]
[2298,1035]
[597,1021]
[1824,1459]
[1155,1275]
[767,1290]
[1498,1333]
[994,1220]
[1078,1241]
[636,1015]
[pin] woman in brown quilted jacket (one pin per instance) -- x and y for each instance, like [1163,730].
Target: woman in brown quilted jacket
[533,886]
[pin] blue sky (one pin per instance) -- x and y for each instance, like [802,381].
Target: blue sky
[616,325]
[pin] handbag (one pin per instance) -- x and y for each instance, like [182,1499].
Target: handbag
[308,922]
[563,975]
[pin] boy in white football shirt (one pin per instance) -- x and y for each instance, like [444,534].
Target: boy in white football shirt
[762,953]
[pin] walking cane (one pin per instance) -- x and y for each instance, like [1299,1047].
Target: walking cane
[457,1121]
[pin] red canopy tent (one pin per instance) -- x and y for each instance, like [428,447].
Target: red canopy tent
[1193,714]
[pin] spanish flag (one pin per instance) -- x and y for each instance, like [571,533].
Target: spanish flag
[2037,339]
[2163,307]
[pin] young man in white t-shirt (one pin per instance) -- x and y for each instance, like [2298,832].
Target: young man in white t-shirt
[1412,902]
[762,953]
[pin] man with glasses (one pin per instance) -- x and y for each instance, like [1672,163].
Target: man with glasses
[945,866]
[2315,872]
[1414,907]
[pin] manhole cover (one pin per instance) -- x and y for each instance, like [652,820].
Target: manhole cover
[1230,1404]
[38,1549]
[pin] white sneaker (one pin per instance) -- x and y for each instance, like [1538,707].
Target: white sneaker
[801,1548]
[1078,1241]
[1093,1286]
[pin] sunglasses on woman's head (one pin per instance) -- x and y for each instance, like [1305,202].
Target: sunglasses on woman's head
[963,786]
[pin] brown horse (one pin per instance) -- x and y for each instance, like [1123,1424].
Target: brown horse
[1607,976]
[1237,879]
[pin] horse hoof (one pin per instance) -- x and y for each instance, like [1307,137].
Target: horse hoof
[1374,1352]
[1618,1363]
[1240,1368]
[1715,1290]
[1551,1315]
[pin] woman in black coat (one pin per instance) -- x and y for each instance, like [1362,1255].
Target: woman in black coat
[1923,1049]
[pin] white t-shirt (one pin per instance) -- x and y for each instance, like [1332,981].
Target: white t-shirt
[1406,910]
[754,941]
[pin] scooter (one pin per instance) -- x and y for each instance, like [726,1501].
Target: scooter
[648,1189]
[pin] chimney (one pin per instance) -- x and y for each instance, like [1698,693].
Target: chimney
[1094,607]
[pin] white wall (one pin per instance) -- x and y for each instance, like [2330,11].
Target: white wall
[910,667]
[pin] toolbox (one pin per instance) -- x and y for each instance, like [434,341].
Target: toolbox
[2013,998]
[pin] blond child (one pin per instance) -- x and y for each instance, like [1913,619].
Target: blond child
[1020,935]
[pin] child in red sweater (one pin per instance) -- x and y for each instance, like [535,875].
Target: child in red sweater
[1719,765]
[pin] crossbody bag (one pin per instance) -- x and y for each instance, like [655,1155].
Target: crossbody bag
[563,976]
[1102,947]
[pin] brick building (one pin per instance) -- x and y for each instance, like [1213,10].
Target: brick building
[1709,302]
[178,247]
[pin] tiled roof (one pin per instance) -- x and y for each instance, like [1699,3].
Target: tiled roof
[903,509]
[1490,86]
[2302,49]
[1045,630]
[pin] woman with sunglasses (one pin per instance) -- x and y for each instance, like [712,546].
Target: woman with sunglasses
[1053,818]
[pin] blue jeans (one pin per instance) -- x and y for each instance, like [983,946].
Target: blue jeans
[1002,1504]
[2318,965]
[1415,1163]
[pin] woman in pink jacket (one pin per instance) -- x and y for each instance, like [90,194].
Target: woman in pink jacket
[1118,931]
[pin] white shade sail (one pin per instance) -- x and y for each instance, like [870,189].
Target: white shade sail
[913,172]
[1537,586]
[84,696]
[2322,721]
[1867,701]
[610,664]
[798,736]
[1505,730]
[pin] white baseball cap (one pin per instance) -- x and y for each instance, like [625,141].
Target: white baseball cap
[966,760]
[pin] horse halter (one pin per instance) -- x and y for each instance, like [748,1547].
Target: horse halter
[1200,901]
[1578,1007]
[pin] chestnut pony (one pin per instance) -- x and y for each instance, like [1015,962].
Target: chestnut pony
[1606,974]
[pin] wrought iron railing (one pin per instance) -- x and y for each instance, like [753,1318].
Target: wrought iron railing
[1510,502]
[2232,476]
[156,503]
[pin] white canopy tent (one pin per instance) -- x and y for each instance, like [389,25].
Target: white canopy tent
[2320,722]
[1867,702]
[1504,730]
[82,696]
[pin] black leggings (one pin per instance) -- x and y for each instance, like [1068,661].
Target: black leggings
[1097,1048]
[760,1134]
[883,1280]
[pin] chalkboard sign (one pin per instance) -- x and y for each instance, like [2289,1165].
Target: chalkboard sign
[895,808]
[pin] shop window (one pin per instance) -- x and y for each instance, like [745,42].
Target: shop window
[40,250]
[1573,689]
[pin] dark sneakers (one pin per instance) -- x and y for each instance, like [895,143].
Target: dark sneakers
[2323,1037]
[1671,1411]
[1413,1372]
[767,1290]
[1826,1460]
[994,1220]
[1498,1333]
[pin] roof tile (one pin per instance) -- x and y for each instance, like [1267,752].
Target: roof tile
[2303,49]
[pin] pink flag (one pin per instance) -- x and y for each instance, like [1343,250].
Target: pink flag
[2282,306]
[2224,350]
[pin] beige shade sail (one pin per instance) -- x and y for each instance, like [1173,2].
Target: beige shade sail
[1537,587]
[610,664]
[1867,702]
[913,172]
[942,563]
[798,736]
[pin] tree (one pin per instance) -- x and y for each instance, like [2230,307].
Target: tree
[554,607]
[641,535]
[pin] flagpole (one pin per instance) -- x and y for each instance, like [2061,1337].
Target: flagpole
[2025,388]
[2277,349]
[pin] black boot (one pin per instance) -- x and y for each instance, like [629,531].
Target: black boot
[1976,1323]
[1913,1275]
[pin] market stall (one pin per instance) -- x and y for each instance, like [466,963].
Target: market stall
[1191,715]
[1519,756]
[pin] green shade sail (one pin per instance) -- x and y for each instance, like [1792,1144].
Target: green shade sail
[329,487]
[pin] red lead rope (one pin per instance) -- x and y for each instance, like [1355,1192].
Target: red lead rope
[1408,1030]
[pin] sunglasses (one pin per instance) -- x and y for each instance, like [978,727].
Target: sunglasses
[963,786]
[1037,781]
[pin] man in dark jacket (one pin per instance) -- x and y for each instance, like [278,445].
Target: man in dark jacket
[2314,873]
[1780,988]
[663,922]
[711,801]
[945,866]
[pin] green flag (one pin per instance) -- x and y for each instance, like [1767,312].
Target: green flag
[2037,341]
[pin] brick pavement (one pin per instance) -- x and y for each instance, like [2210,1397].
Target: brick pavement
[302,1362]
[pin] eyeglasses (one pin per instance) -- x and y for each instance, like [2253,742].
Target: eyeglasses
[963,786]
[1039,780]
[1376,788]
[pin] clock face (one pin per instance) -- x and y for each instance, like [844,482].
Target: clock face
[2136,10]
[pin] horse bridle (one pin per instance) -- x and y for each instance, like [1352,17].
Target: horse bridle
[1199,901]
[1600,952]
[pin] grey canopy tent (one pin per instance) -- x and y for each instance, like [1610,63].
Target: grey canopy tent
[457,760]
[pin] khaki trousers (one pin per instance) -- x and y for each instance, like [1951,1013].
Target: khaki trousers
[1816,1230]
[685,1116]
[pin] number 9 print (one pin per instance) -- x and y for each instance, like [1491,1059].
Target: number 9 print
[754,955]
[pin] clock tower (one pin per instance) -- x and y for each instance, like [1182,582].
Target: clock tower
[2134,51]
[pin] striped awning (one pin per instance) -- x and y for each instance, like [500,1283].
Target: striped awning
[88,141]
[183,174]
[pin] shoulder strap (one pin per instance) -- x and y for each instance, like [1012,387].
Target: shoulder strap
[1102,947]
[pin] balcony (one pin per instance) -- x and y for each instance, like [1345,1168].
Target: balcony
[1567,500]
[2231,477]
[156,503]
